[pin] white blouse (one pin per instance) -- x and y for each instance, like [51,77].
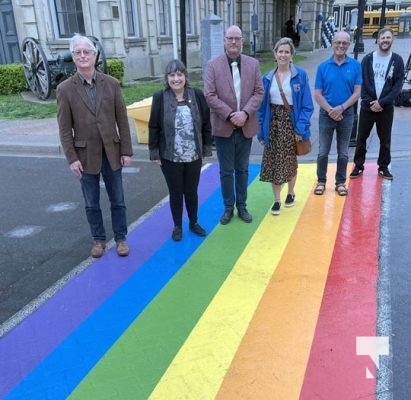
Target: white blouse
[275,96]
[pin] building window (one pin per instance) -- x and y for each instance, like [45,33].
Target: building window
[163,17]
[347,17]
[132,18]
[69,17]
[189,17]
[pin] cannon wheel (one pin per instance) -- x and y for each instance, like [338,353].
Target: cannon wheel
[36,68]
[101,61]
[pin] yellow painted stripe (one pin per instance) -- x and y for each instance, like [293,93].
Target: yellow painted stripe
[271,360]
[201,364]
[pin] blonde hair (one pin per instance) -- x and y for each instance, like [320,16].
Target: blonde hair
[283,41]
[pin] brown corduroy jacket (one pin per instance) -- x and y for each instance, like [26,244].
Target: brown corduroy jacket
[85,132]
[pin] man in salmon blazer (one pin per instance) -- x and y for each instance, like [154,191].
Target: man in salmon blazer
[234,91]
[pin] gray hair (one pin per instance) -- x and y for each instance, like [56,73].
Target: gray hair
[283,41]
[76,39]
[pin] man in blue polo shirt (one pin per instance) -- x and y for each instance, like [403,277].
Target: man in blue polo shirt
[337,88]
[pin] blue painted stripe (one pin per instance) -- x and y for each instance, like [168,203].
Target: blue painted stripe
[59,374]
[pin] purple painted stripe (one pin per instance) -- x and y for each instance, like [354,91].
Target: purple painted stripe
[31,341]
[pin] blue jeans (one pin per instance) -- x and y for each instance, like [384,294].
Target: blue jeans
[343,129]
[90,185]
[233,156]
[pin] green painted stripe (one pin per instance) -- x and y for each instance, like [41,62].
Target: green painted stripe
[136,362]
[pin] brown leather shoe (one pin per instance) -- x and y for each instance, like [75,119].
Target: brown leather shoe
[98,249]
[122,248]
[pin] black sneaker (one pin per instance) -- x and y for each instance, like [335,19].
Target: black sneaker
[289,200]
[197,229]
[356,172]
[177,234]
[275,209]
[385,173]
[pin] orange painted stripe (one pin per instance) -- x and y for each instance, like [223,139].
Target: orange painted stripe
[350,303]
[271,360]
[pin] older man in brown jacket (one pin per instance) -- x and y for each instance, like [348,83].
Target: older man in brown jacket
[95,136]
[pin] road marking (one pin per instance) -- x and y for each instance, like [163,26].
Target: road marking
[61,207]
[24,231]
[384,322]
[349,302]
[279,337]
[131,170]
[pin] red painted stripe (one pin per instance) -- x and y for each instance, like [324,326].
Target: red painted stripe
[349,305]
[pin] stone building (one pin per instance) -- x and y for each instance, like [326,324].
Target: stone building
[140,32]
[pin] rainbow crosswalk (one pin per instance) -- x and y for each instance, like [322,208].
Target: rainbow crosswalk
[267,310]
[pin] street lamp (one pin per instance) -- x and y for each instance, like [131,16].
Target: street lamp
[382,19]
[358,48]
[359,44]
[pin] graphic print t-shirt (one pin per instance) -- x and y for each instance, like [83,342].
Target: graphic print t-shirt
[380,65]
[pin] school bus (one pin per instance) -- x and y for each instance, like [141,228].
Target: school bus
[372,21]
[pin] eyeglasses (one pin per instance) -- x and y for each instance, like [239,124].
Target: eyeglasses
[235,39]
[341,43]
[86,52]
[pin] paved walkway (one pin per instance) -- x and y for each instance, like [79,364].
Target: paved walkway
[275,309]
[41,136]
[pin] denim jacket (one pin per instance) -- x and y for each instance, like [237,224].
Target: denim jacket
[303,107]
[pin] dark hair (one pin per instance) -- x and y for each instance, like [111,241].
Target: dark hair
[174,66]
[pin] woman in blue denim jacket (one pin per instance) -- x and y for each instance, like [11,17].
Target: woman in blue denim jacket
[279,128]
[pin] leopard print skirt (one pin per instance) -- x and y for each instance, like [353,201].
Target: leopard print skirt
[279,163]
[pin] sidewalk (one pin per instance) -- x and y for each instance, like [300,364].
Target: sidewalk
[40,137]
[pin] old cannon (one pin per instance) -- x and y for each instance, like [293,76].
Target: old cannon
[43,75]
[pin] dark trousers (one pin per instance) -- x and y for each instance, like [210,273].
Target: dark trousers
[383,122]
[90,185]
[233,156]
[182,181]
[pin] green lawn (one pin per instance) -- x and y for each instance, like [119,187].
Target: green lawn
[16,107]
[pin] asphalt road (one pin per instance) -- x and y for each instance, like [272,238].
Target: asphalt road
[43,229]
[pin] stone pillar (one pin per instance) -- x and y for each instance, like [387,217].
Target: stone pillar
[154,45]
[212,39]
[311,10]
[110,27]
[25,16]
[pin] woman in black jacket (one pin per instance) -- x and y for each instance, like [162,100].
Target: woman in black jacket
[179,138]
